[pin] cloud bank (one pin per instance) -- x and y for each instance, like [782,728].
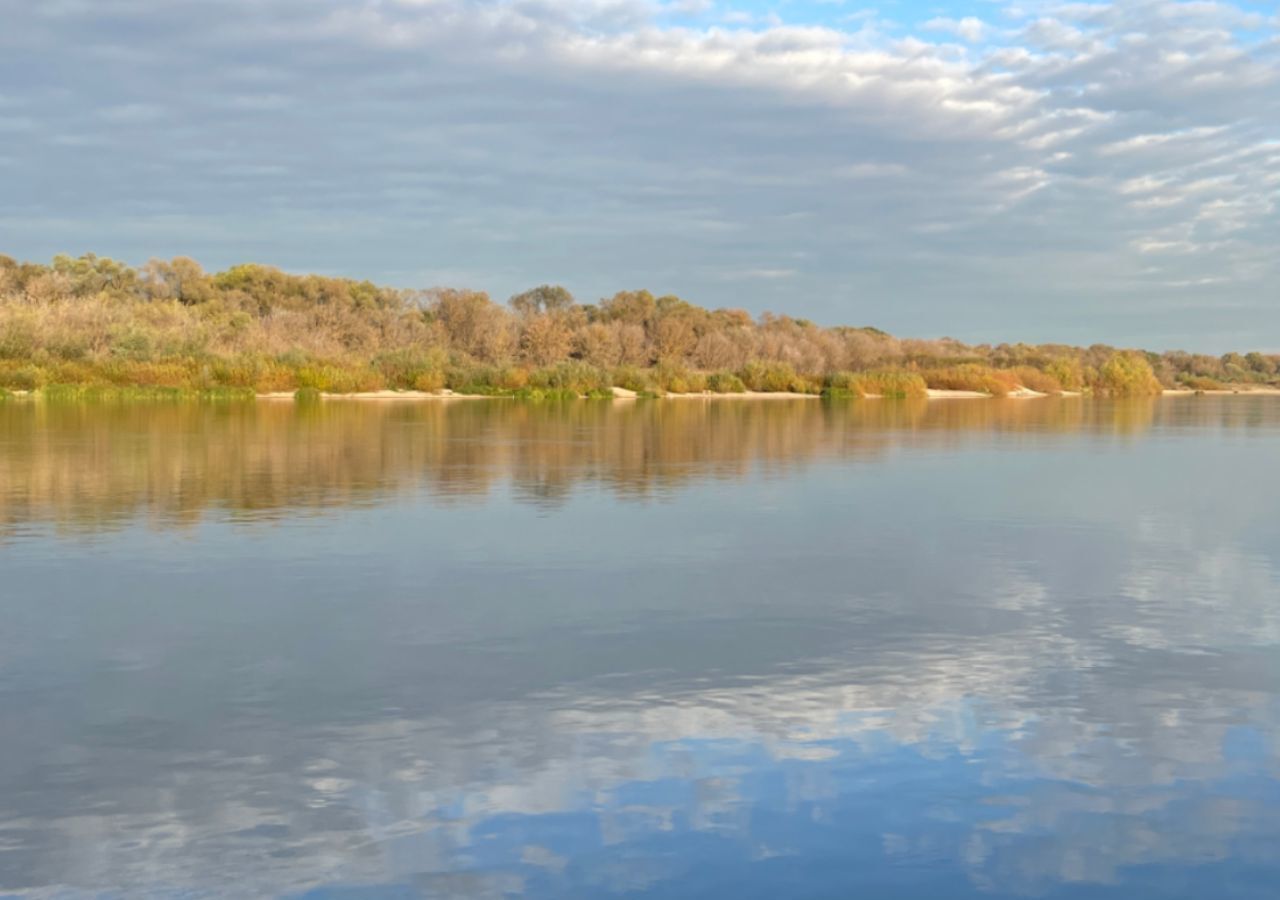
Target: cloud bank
[1039,171]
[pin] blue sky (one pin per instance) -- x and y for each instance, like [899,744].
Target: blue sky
[991,171]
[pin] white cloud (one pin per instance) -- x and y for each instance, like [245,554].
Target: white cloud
[590,142]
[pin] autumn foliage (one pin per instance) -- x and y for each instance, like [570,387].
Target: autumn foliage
[92,321]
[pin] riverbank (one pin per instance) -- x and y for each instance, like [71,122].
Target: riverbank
[617,394]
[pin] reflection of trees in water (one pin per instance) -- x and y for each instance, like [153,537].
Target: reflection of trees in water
[95,466]
[1100,705]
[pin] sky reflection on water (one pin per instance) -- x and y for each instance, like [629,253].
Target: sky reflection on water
[780,649]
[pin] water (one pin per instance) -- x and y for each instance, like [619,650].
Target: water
[734,649]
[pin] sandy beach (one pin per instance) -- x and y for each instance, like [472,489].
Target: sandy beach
[620,393]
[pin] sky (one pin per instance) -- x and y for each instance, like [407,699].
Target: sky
[991,171]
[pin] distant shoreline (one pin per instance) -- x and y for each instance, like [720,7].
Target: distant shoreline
[92,326]
[619,394]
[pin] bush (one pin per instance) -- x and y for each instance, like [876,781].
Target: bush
[772,377]
[633,379]
[1201,383]
[330,379]
[251,371]
[17,338]
[577,377]
[1036,380]
[725,383]
[409,369]
[1069,373]
[891,383]
[485,381]
[133,345]
[177,374]
[677,379]
[1128,374]
[21,378]
[972,377]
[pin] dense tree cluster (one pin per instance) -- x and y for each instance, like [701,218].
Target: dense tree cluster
[91,319]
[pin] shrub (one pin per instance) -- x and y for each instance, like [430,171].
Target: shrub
[889,383]
[332,379]
[574,376]
[772,377]
[181,375]
[21,378]
[892,383]
[1069,373]
[430,382]
[17,338]
[422,370]
[1032,378]
[1128,374]
[678,379]
[725,383]
[271,378]
[485,380]
[251,371]
[133,344]
[1201,383]
[633,379]
[972,377]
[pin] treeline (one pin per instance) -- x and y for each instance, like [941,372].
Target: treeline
[92,321]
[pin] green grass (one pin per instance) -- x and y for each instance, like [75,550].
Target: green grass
[890,383]
[97,393]
[1201,383]
[545,394]
[774,377]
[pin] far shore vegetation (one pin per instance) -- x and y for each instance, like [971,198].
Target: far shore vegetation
[88,326]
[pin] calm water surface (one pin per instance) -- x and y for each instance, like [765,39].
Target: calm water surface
[738,649]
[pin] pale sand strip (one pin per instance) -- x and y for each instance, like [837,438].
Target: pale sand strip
[1259,391]
[745,395]
[624,394]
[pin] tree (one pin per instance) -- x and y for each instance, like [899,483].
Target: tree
[546,298]
[475,324]
[544,340]
[716,351]
[181,279]
[597,344]
[631,307]
[1128,374]
[91,274]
